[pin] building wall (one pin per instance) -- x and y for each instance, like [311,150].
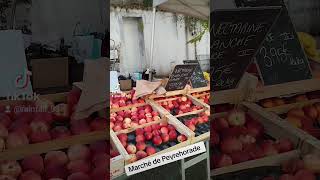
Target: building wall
[170,43]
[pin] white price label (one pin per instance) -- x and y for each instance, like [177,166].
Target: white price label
[166,158]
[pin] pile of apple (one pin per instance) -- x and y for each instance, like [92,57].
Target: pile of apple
[294,169]
[149,140]
[203,96]
[197,123]
[306,118]
[20,129]
[181,105]
[133,117]
[274,102]
[78,162]
[238,138]
[123,100]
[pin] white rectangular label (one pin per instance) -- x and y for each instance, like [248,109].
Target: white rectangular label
[166,158]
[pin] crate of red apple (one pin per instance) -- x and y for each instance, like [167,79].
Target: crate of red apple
[83,162]
[199,124]
[133,117]
[292,169]
[277,101]
[180,105]
[150,140]
[122,100]
[116,161]
[244,135]
[37,122]
[202,96]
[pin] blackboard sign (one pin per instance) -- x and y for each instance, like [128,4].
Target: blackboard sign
[180,77]
[236,36]
[281,58]
[197,79]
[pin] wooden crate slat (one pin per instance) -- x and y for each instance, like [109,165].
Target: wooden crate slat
[295,87]
[285,108]
[40,148]
[198,102]
[267,161]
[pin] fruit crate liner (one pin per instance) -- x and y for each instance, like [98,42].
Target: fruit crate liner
[254,174]
[200,128]
[132,137]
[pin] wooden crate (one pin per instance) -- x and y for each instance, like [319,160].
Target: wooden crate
[154,106]
[170,120]
[56,144]
[272,128]
[194,90]
[195,101]
[297,87]
[116,163]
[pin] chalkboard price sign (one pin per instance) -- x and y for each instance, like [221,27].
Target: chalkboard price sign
[236,36]
[197,79]
[180,77]
[281,58]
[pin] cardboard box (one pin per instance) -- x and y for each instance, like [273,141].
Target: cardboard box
[50,72]
[125,85]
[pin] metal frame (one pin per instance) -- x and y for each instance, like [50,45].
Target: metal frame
[187,164]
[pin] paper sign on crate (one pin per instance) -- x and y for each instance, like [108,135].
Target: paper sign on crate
[166,158]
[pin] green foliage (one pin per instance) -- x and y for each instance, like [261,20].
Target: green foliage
[204,28]
[147,3]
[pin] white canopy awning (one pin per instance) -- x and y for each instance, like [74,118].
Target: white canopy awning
[194,8]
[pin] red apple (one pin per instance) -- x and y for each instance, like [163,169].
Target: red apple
[284,145]
[39,126]
[219,124]
[171,127]
[139,131]
[78,166]
[30,175]
[181,138]
[255,129]
[148,129]
[43,116]
[123,137]
[239,157]
[268,148]
[131,149]
[5,120]
[157,140]
[34,163]
[150,150]
[22,127]
[55,172]
[214,138]
[11,168]
[142,121]
[40,136]
[230,145]
[165,137]
[16,139]
[80,127]
[236,118]
[141,146]
[222,161]
[164,130]
[101,160]
[55,158]
[140,138]
[98,124]
[148,135]
[60,132]
[78,152]
[311,112]
[173,135]
[141,155]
